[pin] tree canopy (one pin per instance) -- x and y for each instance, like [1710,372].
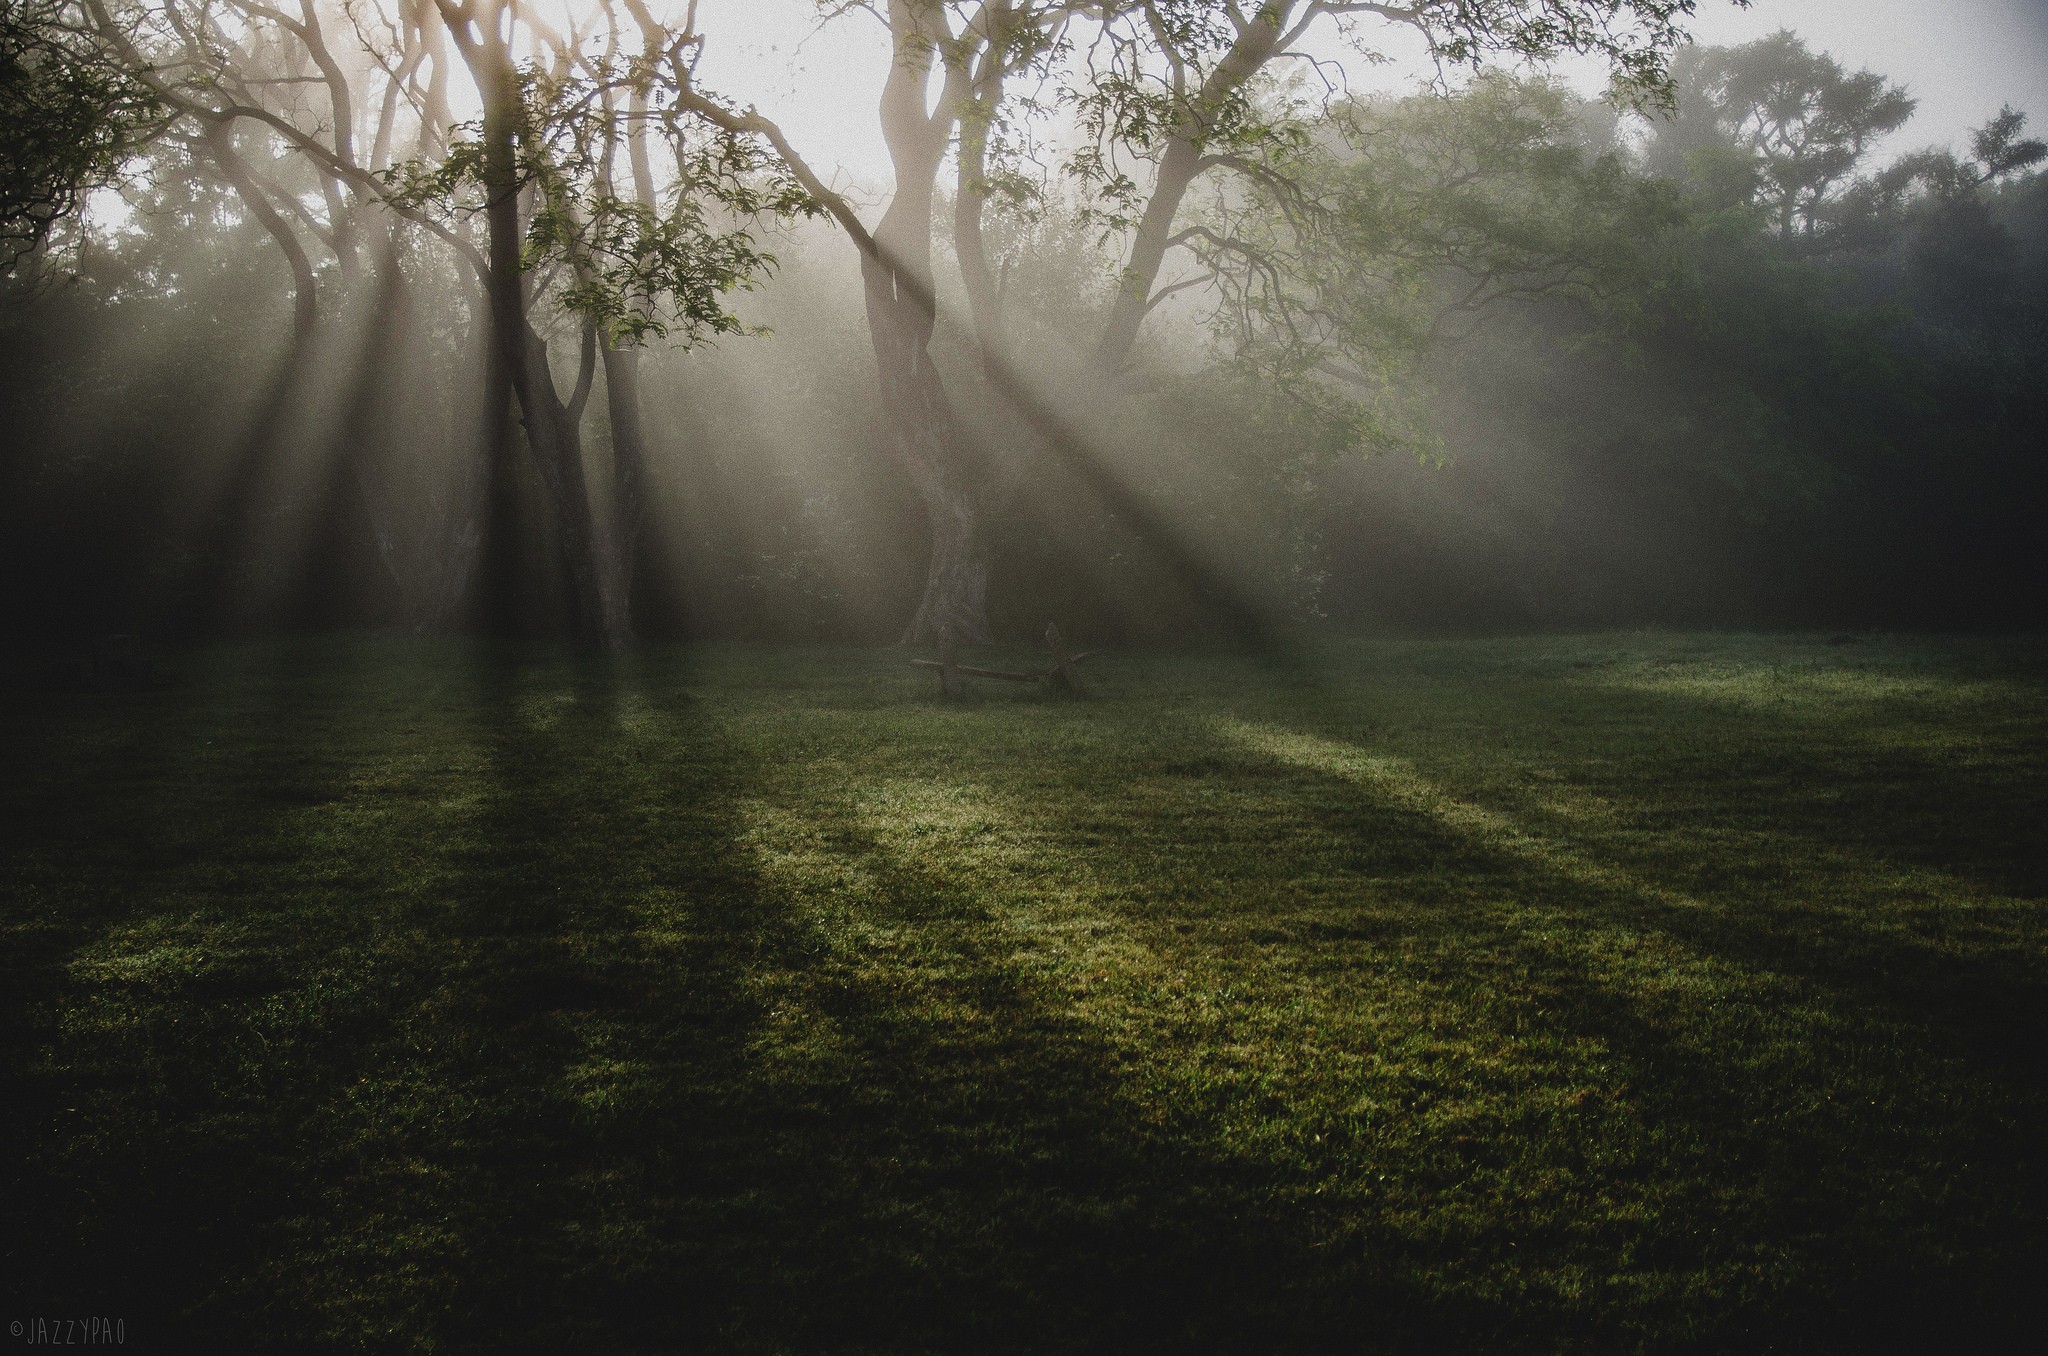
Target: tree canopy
[1143,286]
[71,114]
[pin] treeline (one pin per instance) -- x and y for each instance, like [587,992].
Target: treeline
[1821,404]
[1498,358]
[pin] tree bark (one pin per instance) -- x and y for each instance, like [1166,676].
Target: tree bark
[453,578]
[629,485]
[504,290]
[518,371]
[557,443]
[919,427]
[978,114]
[956,575]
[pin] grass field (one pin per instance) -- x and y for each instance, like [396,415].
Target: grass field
[1644,992]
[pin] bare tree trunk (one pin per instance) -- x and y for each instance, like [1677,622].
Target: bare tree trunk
[552,432]
[519,367]
[386,356]
[622,364]
[970,197]
[1177,170]
[955,601]
[504,288]
[919,426]
[367,374]
[922,434]
[454,569]
[629,484]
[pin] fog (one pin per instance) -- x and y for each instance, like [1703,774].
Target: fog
[1482,353]
[1023,675]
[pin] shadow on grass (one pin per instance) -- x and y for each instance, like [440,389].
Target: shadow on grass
[1863,1099]
[992,1175]
[165,936]
[329,1048]
[1801,842]
[655,1160]
[490,1026]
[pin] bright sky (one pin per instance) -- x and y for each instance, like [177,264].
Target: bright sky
[1960,58]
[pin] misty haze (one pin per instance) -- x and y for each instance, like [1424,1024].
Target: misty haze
[1023,675]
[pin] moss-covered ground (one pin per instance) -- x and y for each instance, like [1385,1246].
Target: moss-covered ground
[1647,992]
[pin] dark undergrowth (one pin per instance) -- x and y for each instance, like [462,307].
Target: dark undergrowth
[1624,993]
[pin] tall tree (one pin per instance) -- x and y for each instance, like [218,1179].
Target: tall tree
[537,167]
[1169,90]
[230,74]
[543,167]
[1805,124]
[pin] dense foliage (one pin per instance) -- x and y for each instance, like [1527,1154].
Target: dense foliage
[69,118]
[1484,357]
[1733,422]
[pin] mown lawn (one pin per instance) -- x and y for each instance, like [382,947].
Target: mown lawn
[1641,992]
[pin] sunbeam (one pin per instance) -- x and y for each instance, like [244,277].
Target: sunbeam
[553,798]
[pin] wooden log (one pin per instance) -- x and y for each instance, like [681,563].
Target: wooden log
[972,672]
[951,670]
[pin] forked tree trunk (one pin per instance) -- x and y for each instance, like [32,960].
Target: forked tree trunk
[369,376]
[557,443]
[502,610]
[519,368]
[428,550]
[451,581]
[1258,42]
[919,427]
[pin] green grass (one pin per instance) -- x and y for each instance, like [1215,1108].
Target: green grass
[1645,992]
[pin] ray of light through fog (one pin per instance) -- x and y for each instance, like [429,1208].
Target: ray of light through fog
[769,467]
[551,799]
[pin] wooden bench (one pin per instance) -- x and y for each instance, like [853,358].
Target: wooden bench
[951,670]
